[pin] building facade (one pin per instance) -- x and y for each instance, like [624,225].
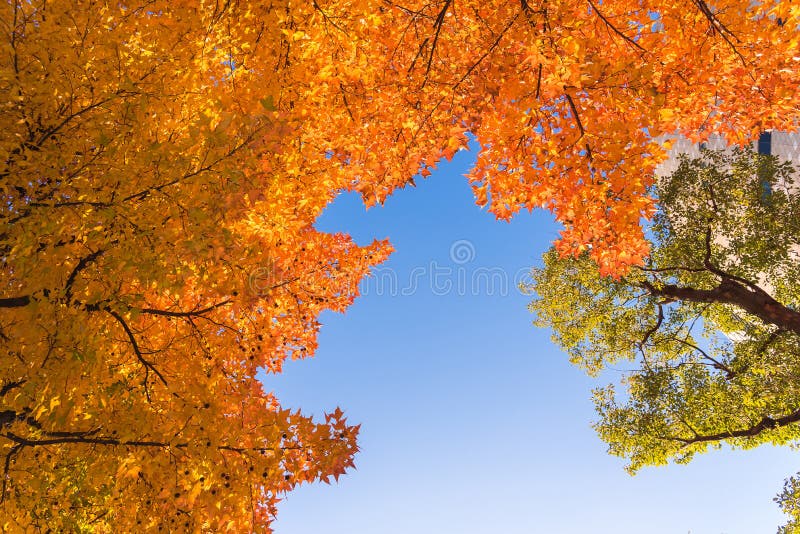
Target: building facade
[786,146]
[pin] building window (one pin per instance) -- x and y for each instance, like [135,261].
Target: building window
[765,143]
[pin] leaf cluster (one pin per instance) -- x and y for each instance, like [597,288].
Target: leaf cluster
[706,332]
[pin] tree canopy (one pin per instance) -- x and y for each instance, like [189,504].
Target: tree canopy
[157,250]
[566,100]
[707,330]
[163,164]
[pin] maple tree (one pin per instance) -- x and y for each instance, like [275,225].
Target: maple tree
[164,163]
[710,320]
[157,250]
[566,100]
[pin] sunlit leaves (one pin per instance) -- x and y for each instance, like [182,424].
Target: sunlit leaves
[158,249]
[163,164]
[565,99]
[706,334]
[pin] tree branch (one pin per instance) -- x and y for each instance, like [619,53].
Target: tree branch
[193,313]
[652,330]
[614,28]
[9,386]
[15,302]
[580,124]
[147,365]
[716,364]
[438,28]
[82,438]
[6,466]
[730,291]
[766,423]
[327,18]
[488,51]
[82,264]
[719,27]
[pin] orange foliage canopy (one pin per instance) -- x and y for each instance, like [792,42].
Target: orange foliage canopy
[565,98]
[163,164]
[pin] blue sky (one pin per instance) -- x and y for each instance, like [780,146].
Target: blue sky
[473,422]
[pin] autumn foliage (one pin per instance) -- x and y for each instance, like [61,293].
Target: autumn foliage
[564,98]
[163,164]
[157,250]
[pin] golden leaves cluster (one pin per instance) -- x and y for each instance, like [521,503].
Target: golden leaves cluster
[158,250]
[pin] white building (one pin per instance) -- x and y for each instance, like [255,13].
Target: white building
[784,145]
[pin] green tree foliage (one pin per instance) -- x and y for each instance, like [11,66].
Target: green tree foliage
[707,330]
[789,501]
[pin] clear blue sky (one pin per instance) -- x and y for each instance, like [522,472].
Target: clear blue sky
[473,422]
